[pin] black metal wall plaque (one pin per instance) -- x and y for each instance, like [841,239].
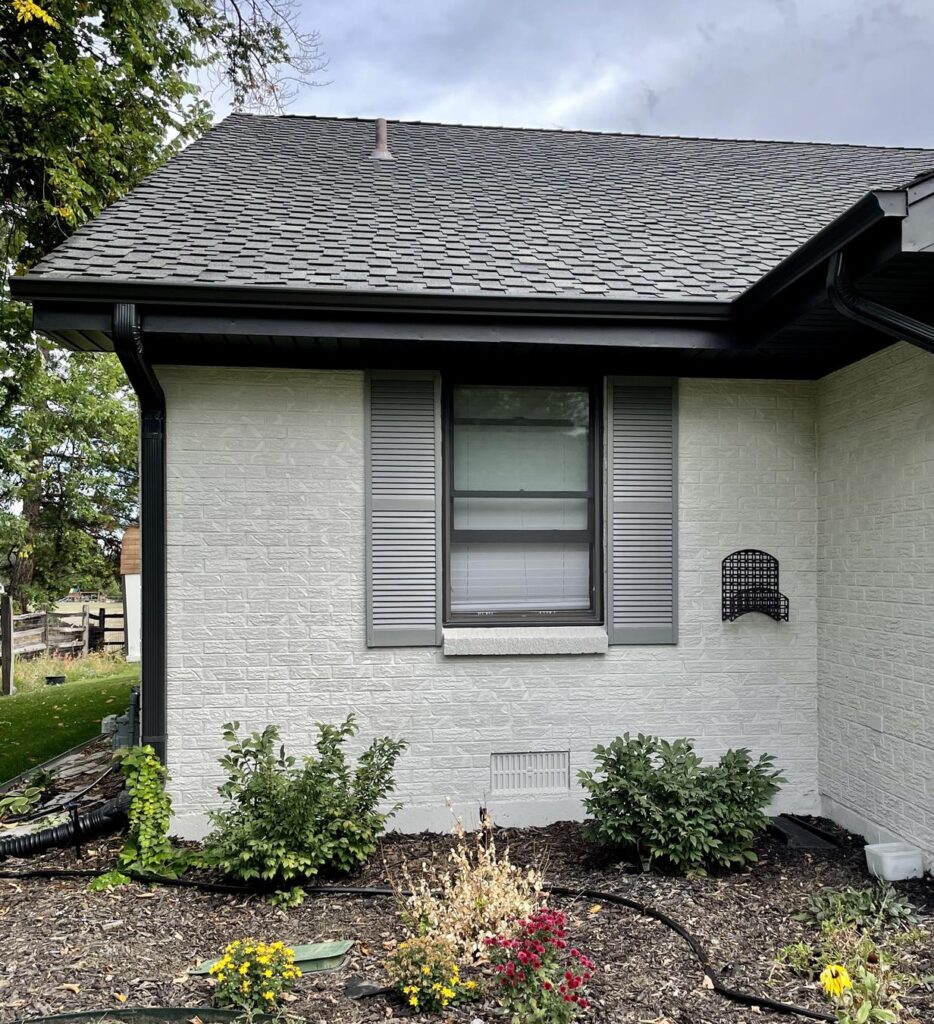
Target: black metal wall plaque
[750,584]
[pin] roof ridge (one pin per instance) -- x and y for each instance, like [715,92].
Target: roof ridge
[584,131]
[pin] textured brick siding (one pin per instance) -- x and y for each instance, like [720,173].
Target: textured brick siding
[266,601]
[876,594]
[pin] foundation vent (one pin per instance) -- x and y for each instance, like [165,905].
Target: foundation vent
[534,771]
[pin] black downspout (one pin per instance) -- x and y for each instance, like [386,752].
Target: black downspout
[128,343]
[850,303]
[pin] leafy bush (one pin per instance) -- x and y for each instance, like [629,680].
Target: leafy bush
[538,978]
[479,896]
[254,975]
[874,909]
[286,821]
[425,972]
[660,801]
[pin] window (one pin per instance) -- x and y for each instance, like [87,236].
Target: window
[521,505]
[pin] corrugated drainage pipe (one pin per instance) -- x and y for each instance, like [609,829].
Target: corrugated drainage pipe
[104,820]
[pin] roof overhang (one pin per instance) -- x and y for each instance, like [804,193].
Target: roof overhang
[784,325]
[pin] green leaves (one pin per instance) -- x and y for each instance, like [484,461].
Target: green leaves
[873,909]
[108,880]
[289,821]
[658,800]
[89,106]
[147,848]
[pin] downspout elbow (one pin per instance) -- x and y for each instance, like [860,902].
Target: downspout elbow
[846,300]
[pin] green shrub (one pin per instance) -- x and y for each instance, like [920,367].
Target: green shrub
[284,821]
[659,800]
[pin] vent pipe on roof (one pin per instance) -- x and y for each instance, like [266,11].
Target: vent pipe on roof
[381,152]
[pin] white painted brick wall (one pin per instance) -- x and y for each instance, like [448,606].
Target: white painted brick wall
[876,595]
[266,601]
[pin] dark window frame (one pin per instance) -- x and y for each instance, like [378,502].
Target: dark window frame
[593,535]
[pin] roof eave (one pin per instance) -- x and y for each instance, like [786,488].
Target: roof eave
[875,207]
[336,301]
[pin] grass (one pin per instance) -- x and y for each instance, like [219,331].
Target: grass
[29,674]
[42,721]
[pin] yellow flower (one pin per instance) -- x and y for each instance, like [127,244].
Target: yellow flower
[835,978]
[470,984]
[268,973]
[426,969]
[268,995]
[447,993]
[221,977]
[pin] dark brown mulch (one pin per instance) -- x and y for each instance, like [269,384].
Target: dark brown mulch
[64,949]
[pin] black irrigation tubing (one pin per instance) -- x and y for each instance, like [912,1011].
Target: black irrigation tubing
[733,995]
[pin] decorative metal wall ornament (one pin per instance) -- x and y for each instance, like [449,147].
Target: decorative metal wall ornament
[750,584]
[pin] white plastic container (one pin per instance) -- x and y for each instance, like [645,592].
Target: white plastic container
[894,861]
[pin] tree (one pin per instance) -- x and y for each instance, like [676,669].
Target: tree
[70,472]
[94,95]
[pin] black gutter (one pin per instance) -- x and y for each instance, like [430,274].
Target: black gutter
[128,343]
[871,209]
[850,303]
[346,300]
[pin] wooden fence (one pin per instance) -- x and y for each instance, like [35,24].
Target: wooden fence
[68,634]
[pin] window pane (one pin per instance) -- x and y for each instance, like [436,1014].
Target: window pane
[520,577]
[520,513]
[512,439]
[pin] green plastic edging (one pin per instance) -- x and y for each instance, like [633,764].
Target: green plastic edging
[147,1014]
[310,958]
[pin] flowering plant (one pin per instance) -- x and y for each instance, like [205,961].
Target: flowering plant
[863,997]
[254,975]
[425,972]
[478,896]
[539,977]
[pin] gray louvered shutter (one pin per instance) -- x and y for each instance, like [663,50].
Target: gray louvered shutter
[403,511]
[642,446]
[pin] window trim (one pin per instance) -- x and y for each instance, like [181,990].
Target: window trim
[593,535]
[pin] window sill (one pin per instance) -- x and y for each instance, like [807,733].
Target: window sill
[495,640]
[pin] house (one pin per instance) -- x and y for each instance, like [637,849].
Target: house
[131,587]
[454,426]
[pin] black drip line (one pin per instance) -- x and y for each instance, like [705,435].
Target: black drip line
[710,971]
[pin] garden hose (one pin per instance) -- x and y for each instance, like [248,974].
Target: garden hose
[710,972]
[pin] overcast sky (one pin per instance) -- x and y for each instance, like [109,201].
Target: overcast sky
[833,70]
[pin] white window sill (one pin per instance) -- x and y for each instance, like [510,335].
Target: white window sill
[525,640]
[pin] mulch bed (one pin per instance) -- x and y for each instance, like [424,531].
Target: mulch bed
[64,949]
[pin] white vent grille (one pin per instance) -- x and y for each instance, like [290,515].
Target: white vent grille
[534,771]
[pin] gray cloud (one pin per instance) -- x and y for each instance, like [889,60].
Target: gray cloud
[835,70]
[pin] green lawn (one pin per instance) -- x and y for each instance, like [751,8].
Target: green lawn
[40,723]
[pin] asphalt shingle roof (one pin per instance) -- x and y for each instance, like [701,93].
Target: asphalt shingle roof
[297,202]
